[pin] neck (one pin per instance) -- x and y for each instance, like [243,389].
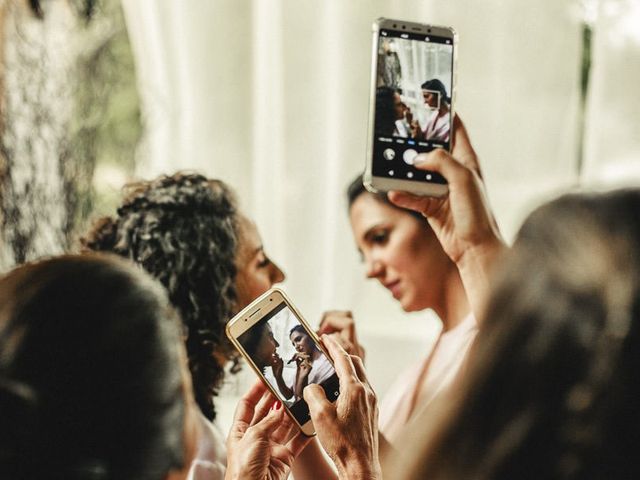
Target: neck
[454,306]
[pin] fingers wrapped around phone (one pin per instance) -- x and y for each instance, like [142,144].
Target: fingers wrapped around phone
[245,410]
[347,429]
[463,219]
[263,441]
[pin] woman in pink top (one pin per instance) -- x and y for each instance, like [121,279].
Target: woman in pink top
[402,253]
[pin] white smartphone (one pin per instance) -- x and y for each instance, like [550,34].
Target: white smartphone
[411,104]
[285,353]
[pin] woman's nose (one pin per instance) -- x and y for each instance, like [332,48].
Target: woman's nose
[277,275]
[374,268]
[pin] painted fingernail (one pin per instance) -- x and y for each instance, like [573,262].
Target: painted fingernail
[277,405]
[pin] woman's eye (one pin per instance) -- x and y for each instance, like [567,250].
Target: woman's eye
[379,237]
[264,262]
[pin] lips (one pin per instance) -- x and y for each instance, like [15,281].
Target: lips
[394,288]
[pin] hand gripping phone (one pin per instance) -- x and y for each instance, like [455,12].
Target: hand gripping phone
[285,353]
[411,104]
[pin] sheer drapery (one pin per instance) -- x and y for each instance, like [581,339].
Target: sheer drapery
[272,96]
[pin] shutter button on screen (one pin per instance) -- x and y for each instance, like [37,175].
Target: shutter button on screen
[389,154]
[409,155]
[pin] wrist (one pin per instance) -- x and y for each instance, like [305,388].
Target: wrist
[480,258]
[357,469]
[476,266]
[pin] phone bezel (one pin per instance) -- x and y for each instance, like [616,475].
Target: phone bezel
[250,316]
[382,184]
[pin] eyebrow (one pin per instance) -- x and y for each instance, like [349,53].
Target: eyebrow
[369,233]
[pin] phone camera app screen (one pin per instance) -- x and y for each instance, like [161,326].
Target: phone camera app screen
[289,359]
[414,77]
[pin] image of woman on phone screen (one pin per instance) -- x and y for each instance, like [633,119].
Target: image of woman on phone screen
[438,104]
[312,364]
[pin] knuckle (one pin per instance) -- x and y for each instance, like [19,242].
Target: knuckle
[251,432]
[439,154]
[371,396]
[358,389]
[323,413]
[357,361]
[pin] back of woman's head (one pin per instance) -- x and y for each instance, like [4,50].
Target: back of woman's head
[90,383]
[182,229]
[552,388]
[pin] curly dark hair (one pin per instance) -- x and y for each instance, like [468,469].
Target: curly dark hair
[183,230]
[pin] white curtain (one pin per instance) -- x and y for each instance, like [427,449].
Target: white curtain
[271,96]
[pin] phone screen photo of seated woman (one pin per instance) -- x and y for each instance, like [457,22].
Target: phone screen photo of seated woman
[286,354]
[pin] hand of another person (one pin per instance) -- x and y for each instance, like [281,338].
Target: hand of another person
[299,357]
[340,324]
[416,131]
[277,365]
[263,441]
[408,116]
[347,429]
[304,367]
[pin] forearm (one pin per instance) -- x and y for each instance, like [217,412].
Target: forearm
[385,449]
[284,388]
[360,471]
[313,463]
[476,267]
[301,382]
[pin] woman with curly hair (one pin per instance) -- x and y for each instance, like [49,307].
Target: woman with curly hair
[186,231]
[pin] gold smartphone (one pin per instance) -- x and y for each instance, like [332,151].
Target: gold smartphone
[411,104]
[285,353]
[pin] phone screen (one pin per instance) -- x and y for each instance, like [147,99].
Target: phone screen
[289,358]
[413,110]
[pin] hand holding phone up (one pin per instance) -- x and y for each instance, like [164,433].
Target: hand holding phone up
[462,220]
[347,429]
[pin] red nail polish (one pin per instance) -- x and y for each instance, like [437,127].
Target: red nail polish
[276,405]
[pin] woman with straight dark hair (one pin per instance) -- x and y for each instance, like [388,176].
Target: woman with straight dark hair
[401,252]
[91,382]
[552,390]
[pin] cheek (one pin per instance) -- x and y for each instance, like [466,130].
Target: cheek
[251,285]
[412,256]
[261,283]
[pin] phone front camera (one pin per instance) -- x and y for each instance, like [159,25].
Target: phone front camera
[403,27]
